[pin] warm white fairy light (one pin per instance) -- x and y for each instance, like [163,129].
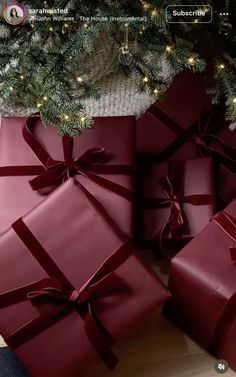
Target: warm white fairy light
[11,88]
[156,91]
[22,77]
[83,119]
[45,98]
[145,79]
[221,66]
[80,79]
[51,28]
[154,13]
[66,25]
[234,100]
[168,49]
[85,25]
[191,60]
[66,117]
[39,104]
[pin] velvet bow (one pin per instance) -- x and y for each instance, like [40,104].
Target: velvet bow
[58,171]
[175,200]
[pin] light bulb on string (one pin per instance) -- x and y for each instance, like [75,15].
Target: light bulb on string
[145,79]
[125,56]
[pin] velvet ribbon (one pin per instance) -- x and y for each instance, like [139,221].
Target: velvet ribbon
[174,198]
[52,172]
[55,296]
[199,135]
[227,224]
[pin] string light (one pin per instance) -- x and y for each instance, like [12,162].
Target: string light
[45,98]
[126,25]
[66,25]
[11,88]
[66,117]
[221,66]
[234,100]
[22,77]
[51,28]
[39,105]
[196,21]
[85,25]
[154,13]
[145,79]
[82,119]
[156,91]
[168,48]
[191,60]
[79,79]
[145,5]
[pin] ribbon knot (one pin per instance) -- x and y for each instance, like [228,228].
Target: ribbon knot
[54,292]
[200,141]
[176,215]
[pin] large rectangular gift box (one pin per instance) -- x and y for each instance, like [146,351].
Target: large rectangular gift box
[32,153]
[177,199]
[71,285]
[203,284]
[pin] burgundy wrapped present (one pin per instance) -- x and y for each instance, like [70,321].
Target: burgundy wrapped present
[203,284]
[167,124]
[185,126]
[214,138]
[75,285]
[178,201]
[33,157]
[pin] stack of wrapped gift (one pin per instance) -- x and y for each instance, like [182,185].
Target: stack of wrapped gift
[187,199]
[186,165]
[71,281]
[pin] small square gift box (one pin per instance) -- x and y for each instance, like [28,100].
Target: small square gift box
[177,200]
[34,160]
[71,284]
[203,284]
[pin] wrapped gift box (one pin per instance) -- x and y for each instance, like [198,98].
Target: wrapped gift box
[89,286]
[110,163]
[178,200]
[160,130]
[203,284]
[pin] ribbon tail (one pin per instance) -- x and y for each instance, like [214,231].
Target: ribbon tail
[35,327]
[18,171]
[111,186]
[48,178]
[20,294]
[101,339]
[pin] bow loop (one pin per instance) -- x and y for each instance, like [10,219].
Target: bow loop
[176,216]
[93,156]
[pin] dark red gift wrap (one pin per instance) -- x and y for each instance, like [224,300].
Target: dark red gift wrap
[75,285]
[203,284]
[34,160]
[185,126]
[165,126]
[178,200]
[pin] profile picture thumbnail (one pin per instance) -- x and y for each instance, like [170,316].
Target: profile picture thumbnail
[14,13]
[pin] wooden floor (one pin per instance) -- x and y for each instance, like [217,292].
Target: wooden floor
[159,349]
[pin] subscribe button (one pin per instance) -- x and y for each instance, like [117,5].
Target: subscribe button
[189,14]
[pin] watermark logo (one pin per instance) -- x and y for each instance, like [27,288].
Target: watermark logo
[14,13]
